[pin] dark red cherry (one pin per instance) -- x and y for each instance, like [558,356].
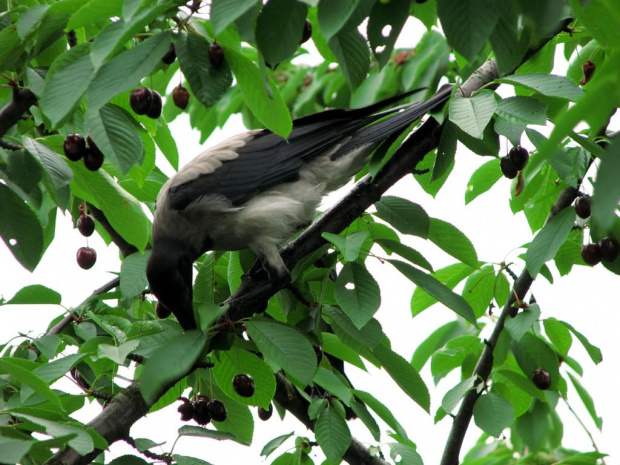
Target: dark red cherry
[507,168]
[216,55]
[217,410]
[518,157]
[74,147]
[154,110]
[609,248]
[86,225]
[180,96]
[140,100]
[243,385]
[591,254]
[541,379]
[86,257]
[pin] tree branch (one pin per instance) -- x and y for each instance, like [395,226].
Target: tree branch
[125,247]
[13,111]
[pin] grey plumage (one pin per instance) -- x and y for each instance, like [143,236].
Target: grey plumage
[254,190]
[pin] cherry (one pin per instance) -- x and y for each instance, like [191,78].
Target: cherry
[86,225]
[201,411]
[518,157]
[154,110]
[319,353]
[186,409]
[541,379]
[140,100]
[93,158]
[180,96]
[591,254]
[243,385]
[609,248]
[170,55]
[305,37]
[217,410]
[507,168]
[583,207]
[588,69]
[265,414]
[74,147]
[86,257]
[216,55]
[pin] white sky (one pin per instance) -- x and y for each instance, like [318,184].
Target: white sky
[588,299]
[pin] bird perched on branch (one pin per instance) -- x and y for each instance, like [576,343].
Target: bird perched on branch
[255,189]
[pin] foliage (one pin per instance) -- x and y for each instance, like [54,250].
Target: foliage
[70,67]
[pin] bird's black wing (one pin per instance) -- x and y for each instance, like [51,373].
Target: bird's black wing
[267,159]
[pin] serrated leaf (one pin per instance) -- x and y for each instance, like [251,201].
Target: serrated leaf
[593,351]
[13,368]
[546,84]
[393,15]
[113,132]
[478,290]
[450,276]
[12,450]
[521,323]
[284,346]
[198,431]
[474,113]
[368,336]
[558,334]
[452,241]
[273,444]
[493,413]
[357,293]
[82,443]
[35,294]
[332,434]
[169,362]
[606,189]
[279,29]
[117,354]
[225,12]
[125,70]
[333,15]
[404,215]
[437,290]
[522,110]
[482,179]
[547,242]
[532,353]
[403,373]
[509,129]
[406,252]
[384,413]
[268,106]
[333,384]
[208,83]
[351,50]
[93,11]
[454,395]
[587,401]
[22,235]
[349,245]
[133,275]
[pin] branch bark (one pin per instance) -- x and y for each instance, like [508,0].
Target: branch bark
[13,111]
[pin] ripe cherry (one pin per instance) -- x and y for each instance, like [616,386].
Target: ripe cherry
[591,254]
[154,110]
[185,409]
[86,225]
[507,168]
[518,157]
[307,33]
[74,147]
[583,207]
[170,55]
[216,55]
[265,414]
[541,379]
[86,257]
[201,411]
[609,248]
[93,158]
[140,100]
[180,96]
[243,385]
[319,353]
[217,410]
[588,69]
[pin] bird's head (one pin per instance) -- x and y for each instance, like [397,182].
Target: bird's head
[169,272]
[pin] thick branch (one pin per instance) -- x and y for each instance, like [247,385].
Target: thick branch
[13,111]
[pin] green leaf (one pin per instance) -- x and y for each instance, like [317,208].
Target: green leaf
[170,362]
[57,174]
[509,129]
[272,445]
[493,413]
[546,243]
[93,11]
[454,395]
[403,373]
[198,431]
[125,70]
[583,458]
[601,19]
[406,252]
[235,361]
[404,215]
[368,336]
[133,275]
[284,346]
[384,413]
[546,84]
[208,83]
[435,341]
[394,15]
[333,346]
[267,105]
[113,132]
[225,12]
[22,235]
[239,421]
[558,334]
[467,24]
[587,401]
[358,293]
[166,143]
[117,354]
[13,450]
[452,241]
[349,245]
[65,83]
[593,351]
[13,368]
[35,294]
[329,381]
[478,290]
[522,110]
[82,443]
[437,290]
[279,29]
[122,210]
[521,323]
[509,41]
[431,58]
[332,434]
[532,353]
[606,189]
[333,15]
[351,50]
[29,20]
[450,276]
[483,179]
[473,114]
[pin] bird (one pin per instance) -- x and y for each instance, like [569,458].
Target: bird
[257,188]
